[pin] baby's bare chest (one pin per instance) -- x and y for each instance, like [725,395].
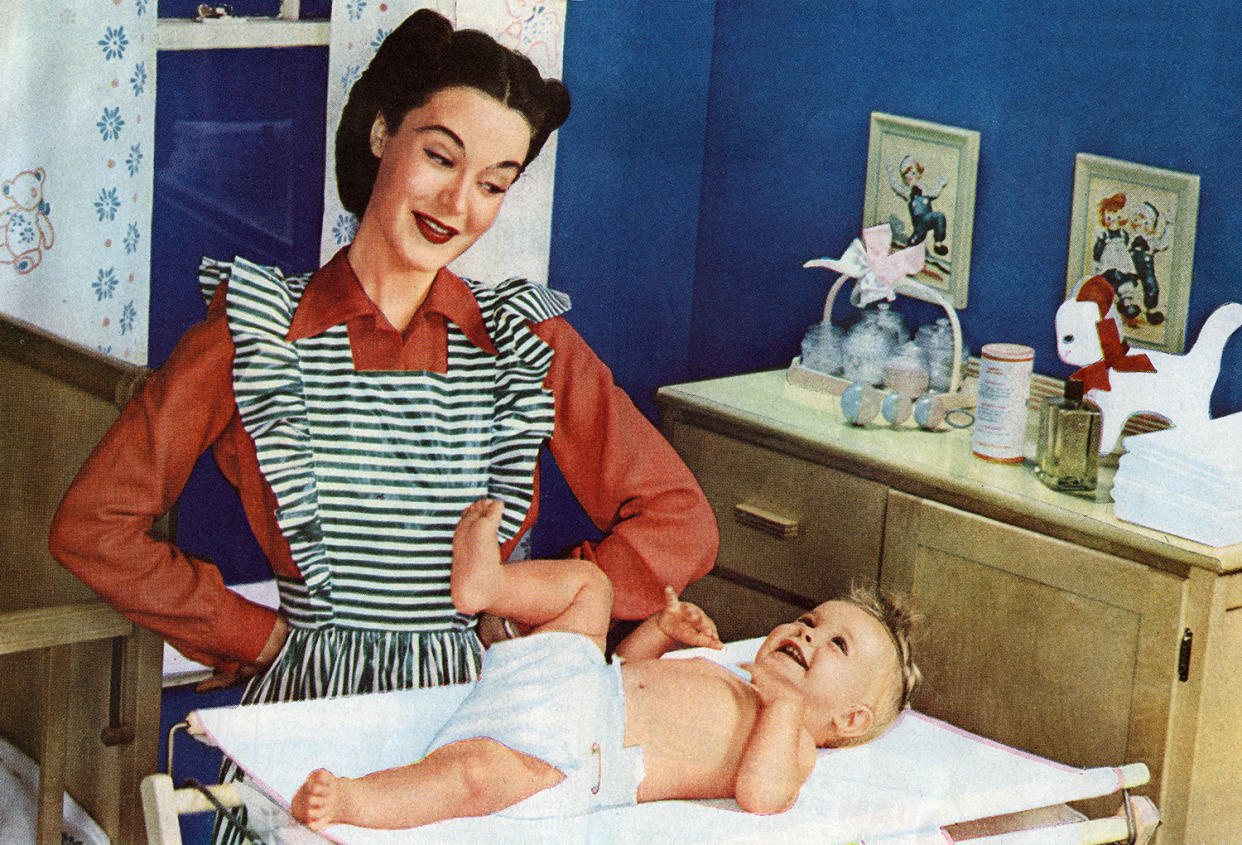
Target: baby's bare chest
[692,719]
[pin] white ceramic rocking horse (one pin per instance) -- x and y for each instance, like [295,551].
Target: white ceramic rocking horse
[1176,387]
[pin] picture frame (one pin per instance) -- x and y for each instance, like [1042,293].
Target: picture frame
[1135,225]
[921,180]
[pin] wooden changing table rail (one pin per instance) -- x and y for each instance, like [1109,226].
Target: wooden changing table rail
[79,684]
[51,632]
[49,627]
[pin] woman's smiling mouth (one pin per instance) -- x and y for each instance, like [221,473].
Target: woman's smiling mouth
[433,230]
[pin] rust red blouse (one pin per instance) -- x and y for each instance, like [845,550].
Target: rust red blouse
[658,526]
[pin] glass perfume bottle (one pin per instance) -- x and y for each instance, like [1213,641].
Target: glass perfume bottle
[1068,448]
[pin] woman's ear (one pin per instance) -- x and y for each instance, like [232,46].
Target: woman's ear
[379,135]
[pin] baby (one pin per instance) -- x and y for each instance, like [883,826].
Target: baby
[551,728]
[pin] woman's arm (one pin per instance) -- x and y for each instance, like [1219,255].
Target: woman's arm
[659,527]
[102,529]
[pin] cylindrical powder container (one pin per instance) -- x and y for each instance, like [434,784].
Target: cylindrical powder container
[1000,409]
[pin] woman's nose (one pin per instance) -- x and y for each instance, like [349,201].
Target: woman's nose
[453,195]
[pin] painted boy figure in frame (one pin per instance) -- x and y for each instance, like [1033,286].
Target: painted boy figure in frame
[908,182]
[1124,252]
[920,201]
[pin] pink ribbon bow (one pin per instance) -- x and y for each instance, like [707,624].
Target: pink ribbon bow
[878,272]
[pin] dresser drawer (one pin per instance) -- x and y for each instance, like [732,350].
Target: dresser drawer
[805,529]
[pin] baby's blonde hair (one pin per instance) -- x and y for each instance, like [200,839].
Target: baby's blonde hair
[898,618]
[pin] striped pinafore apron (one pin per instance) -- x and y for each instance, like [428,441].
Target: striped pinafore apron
[371,471]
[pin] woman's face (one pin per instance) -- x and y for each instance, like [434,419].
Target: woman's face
[442,176]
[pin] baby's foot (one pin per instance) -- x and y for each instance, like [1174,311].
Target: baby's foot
[321,800]
[476,556]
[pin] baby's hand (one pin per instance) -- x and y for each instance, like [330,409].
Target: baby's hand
[687,623]
[771,686]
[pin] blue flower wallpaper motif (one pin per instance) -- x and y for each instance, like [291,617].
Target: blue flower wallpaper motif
[107,205]
[76,170]
[114,43]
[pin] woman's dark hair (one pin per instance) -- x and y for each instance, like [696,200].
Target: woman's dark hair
[425,55]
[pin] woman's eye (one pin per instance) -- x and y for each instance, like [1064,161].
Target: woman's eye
[493,188]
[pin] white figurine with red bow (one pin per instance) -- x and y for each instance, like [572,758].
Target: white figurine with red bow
[1122,383]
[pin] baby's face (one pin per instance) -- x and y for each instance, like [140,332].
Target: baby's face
[838,654]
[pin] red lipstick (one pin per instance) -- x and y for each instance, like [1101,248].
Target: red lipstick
[433,230]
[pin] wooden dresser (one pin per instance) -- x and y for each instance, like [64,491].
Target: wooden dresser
[79,684]
[1049,625]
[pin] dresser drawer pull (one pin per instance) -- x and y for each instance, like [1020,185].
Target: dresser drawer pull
[781,527]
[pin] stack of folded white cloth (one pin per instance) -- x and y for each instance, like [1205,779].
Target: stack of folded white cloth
[1185,480]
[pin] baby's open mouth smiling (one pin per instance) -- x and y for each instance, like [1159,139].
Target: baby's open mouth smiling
[790,649]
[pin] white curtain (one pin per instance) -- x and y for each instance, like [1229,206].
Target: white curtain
[76,136]
[518,243]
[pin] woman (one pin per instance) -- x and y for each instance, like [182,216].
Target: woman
[358,410]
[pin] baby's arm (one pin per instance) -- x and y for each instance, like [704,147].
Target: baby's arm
[780,753]
[678,624]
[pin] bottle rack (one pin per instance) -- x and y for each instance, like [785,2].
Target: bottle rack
[961,392]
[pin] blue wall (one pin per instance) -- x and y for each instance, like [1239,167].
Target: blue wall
[238,171]
[793,84]
[714,147]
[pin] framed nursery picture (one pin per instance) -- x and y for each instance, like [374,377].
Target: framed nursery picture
[921,181]
[1135,226]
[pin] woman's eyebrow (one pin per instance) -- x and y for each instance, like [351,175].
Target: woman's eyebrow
[456,139]
[437,127]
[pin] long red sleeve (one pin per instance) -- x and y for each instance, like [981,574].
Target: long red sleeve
[659,527]
[102,529]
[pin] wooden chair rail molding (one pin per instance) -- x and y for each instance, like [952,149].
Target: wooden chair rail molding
[94,372]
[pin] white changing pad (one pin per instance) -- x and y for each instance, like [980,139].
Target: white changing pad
[922,774]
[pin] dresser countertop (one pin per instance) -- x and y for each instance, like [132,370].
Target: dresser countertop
[937,465]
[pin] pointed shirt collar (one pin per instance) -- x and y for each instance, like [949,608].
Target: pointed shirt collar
[334,295]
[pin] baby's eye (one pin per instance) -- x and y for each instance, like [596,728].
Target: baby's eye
[840,643]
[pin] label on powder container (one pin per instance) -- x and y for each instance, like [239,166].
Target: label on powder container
[1000,410]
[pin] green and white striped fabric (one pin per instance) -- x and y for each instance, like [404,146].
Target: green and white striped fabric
[372,469]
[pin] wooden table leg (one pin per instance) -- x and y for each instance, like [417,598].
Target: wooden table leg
[55,682]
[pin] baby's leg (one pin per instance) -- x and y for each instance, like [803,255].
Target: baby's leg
[546,595]
[473,777]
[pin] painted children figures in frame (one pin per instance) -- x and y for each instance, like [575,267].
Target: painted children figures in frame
[921,181]
[1134,225]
